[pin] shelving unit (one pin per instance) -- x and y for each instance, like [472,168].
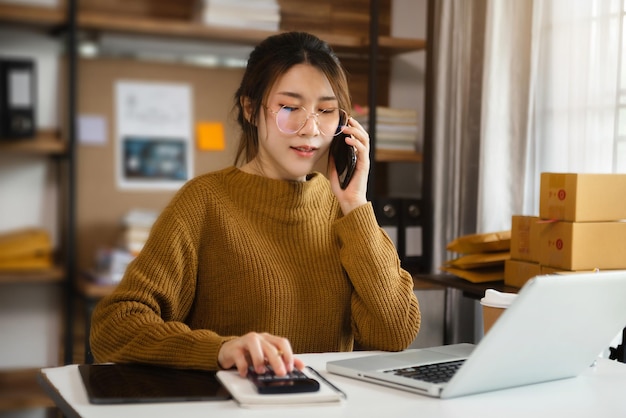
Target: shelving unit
[19,388]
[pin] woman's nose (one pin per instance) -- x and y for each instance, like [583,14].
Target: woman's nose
[311,126]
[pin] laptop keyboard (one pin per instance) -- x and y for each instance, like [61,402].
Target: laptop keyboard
[434,373]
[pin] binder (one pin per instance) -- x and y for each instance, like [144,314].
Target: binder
[411,233]
[17,98]
[387,211]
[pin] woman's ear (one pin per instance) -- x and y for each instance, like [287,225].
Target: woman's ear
[246,106]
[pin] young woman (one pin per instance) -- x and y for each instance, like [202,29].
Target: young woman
[253,263]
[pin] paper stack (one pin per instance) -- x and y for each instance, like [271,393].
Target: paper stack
[395,128]
[258,14]
[25,249]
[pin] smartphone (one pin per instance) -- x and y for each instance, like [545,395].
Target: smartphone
[345,159]
[295,382]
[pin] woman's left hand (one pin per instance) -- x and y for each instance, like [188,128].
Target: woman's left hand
[355,194]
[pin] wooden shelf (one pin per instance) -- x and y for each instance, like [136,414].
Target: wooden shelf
[46,142]
[397,156]
[32,15]
[167,27]
[390,45]
[54,275]
[93,290]
[193,30]
[173,28]
[19,389]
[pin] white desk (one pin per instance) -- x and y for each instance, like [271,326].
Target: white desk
[599,392]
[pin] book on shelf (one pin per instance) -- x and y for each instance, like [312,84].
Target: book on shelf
[111,263]
[136,227]
[396,128]
[134,238]
[260,14]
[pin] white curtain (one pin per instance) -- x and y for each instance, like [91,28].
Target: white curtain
[550,99]
[457,55]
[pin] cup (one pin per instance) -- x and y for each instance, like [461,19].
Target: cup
[494,303]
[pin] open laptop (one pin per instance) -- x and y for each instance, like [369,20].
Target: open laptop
[555,329]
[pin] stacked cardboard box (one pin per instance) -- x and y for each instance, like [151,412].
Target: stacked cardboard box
[581,227]
[524,262]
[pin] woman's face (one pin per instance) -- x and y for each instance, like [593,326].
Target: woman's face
[291,156]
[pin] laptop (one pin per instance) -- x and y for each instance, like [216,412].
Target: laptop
[555,329]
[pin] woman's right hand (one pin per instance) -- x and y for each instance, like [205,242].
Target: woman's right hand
[258,350]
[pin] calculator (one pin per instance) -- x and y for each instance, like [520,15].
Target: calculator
[293,382]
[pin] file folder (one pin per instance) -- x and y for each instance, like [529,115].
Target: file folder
[411,232]
[387,211]
[17,98]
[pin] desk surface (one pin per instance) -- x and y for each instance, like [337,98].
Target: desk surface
[599,392]
[473,290]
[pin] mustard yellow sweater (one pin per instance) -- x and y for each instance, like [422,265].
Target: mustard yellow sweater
[234,253]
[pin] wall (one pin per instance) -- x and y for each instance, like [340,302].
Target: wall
[101,204]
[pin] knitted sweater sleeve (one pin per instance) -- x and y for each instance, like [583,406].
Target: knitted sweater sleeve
[143,320]
[385,310]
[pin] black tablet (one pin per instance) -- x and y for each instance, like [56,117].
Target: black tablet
[136,383]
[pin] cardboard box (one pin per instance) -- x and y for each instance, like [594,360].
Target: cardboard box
[552,270]
[525,238]
[582,197]
[517,273]
[583,245]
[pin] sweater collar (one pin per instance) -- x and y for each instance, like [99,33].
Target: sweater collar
[290,195]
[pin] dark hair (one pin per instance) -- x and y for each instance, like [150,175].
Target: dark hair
[269,60]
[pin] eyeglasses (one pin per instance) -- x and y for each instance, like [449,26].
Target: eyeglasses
[290,119]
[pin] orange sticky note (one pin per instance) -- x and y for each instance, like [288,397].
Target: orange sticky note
[210,136]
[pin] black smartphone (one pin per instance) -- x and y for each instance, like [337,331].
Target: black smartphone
[345,159]
[294,382]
